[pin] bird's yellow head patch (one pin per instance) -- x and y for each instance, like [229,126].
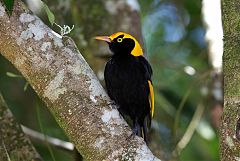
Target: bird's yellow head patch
[121,38]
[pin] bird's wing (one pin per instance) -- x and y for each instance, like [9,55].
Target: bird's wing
[107,78]
[147,69]
[151,98]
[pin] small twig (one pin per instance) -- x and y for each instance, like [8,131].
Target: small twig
[190,130]
[42,138]
[65,29]
[42,131]
[180,108]
[184,99]
[39,137]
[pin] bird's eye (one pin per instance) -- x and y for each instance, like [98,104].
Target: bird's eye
[119,40]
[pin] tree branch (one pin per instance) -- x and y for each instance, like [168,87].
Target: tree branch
[14,145]
[42,138]
[64,81]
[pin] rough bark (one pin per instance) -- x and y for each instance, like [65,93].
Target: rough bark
[230,143]
[14,144]
[63,80]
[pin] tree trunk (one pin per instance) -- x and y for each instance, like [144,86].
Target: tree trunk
[63,80]
[14,144]
[230,132]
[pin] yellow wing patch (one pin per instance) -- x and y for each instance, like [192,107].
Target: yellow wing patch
[151,98]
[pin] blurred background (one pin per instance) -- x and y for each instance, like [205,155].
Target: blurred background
[185,55]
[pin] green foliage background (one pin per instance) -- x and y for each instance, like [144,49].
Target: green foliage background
[174,39]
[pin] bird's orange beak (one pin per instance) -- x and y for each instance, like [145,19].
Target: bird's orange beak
[103,38]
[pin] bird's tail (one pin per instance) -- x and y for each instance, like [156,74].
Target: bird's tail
[145,128]
[141,129]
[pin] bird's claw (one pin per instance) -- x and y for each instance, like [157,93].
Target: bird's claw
[133,133]
[111,103]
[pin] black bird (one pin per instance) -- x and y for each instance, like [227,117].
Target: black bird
[128,80]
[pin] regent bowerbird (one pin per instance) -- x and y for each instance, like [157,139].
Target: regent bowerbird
[128,81]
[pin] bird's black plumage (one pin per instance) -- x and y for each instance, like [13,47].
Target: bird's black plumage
[127,81]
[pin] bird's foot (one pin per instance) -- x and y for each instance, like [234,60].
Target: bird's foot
[134,132]
[111,103]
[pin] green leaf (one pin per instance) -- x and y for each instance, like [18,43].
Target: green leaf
[50,15]
[13,75]
[25,86]
[9,6]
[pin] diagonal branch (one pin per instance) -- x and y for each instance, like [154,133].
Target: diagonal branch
[64,81]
